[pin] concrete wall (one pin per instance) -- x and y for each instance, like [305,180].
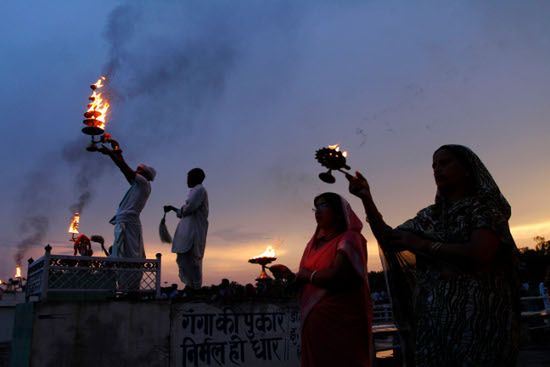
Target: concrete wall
[67,334]
[151,334]
[7,314]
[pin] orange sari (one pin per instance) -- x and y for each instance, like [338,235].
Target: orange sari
[337,324]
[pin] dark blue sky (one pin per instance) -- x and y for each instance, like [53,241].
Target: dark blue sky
[249,90]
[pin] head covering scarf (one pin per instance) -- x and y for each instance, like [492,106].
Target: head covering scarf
[485,187]
[356,254]
[488,208]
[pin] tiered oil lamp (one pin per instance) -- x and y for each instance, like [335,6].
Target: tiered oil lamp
[332,158]
[95,115]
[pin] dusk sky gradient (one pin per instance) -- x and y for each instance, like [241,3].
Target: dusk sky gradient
[248,90]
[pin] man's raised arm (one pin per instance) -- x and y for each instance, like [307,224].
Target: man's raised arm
[118,159]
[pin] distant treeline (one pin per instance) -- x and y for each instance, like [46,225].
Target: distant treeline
[535,263]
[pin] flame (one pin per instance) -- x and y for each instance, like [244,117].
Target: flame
[75,222]
[18,271]
[99,82]
[269,252]
[336,147]
[98,103]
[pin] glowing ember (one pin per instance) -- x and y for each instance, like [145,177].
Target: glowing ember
[75,222]
[18,271]
[268,253]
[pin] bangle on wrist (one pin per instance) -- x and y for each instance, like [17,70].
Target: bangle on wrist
[311,276]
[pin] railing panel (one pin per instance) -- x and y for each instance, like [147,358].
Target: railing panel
[60,273]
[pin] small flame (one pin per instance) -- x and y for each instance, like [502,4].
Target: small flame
[99,82]
[269,252]
[336,147]
[18,271]
[98,103]
[75,223]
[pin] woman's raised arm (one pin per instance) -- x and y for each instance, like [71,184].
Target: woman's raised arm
[359,186]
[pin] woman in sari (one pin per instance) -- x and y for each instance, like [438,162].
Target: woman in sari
[452,268]
[335,300]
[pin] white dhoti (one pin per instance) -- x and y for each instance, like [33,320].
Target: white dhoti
[128,244]
[128,241]
[190,267]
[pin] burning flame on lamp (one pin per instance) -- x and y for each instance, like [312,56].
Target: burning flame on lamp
[266,257]
[75,223]
[336,147]
[97,110]
[268,253]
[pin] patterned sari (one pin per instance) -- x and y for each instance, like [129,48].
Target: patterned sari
[336,324]
[456,315]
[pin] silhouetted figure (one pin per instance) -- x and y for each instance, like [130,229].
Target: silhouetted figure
[335,304]
[128,241]
[189,239]
[458,259]
[83,246]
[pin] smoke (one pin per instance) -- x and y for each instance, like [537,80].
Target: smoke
[33,205]
[119,31]
[89,169]
[38,195]
[170,63]
[35,228]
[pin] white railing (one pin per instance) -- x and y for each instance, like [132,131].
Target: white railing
[82,274]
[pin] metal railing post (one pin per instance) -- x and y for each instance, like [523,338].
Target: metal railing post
[27,296]
[157,280]
[45,273]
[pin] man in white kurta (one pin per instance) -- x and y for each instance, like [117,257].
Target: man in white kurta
[128,242]
[190,238]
